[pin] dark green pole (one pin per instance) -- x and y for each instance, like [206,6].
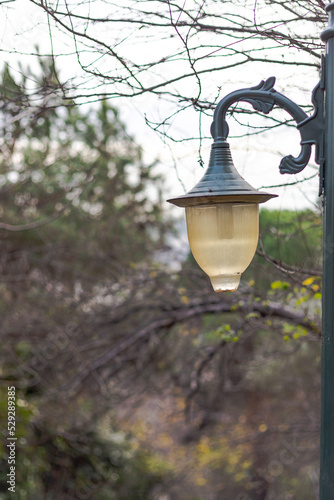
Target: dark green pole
[327,360]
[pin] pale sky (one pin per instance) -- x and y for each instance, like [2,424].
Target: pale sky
[256,156]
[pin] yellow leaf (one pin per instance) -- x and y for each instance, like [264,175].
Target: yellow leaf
[308,281]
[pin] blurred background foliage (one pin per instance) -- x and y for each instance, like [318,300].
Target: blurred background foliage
[134,380]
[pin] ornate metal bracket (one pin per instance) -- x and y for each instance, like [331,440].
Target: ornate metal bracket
[263,97]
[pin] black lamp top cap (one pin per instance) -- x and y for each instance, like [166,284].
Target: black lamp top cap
[221,183]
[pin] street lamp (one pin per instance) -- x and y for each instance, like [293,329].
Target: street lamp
[222,214]
[222,209]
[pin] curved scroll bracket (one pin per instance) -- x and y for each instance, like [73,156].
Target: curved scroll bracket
[263,98]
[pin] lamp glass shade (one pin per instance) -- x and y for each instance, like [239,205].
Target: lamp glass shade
[223,238]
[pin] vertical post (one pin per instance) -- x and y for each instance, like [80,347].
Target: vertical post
[327,359]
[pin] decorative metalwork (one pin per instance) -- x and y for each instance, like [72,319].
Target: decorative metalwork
[263,98]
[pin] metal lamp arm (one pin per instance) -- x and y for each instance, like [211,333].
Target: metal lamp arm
[263,97]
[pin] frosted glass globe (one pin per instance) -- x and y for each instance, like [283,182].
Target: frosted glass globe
[223,240]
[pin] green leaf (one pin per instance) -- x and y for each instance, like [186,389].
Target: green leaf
[282,285]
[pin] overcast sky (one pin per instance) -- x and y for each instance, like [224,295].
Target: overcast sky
[256,156]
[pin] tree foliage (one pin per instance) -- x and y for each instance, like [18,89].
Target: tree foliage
[79,236]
